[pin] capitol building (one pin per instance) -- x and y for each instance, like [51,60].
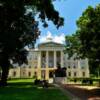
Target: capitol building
[43,60]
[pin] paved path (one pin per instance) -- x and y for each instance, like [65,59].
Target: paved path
[66,92]
[79,93]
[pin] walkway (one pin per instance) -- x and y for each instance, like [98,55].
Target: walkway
[77,92]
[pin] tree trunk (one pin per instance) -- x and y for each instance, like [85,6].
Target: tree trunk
[5,71]
[4,76]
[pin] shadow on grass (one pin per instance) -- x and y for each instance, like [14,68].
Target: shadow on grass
[28,91]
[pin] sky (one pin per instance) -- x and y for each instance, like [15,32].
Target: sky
[71,10]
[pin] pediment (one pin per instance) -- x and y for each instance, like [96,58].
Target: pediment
[50,44]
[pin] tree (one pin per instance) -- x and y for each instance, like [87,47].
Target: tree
[19,28]
[88,28]
[89,33]
[73,45]
[86,42]
[60,72]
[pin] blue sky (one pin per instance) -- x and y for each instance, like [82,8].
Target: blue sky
[71,10]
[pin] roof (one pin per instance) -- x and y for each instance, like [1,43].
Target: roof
[49,42]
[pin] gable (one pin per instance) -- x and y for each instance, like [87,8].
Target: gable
[50,44]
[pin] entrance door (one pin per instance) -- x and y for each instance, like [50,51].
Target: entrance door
[43,72]
[51,73]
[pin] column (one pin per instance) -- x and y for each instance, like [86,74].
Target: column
[79,70]
[39,65]
[87,67]
[62,61]
[55,60]
[47,58]
[47,65]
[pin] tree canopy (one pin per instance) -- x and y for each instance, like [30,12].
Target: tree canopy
[89,34]
[89,31]
[19,27]
[73,45]
[86,40]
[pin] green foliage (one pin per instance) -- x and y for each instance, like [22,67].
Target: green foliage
[94,67]
[89,35]
[19,28]
[60,72]
[86,41]
[73,45]
[86,81]
[89,31]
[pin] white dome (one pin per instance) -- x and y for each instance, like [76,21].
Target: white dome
[49,37]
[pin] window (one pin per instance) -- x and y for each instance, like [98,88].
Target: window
[43,65]
[74,66]
[75,74]
[51,59]
[82,67]
[51,64]
[69,73]
[29,74]
[43,59]
[35,75]
[68,66]
[14,73]
[35,66]
[29,66]
[83,74]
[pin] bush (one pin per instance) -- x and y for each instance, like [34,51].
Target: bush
[75,80]
[83,80]
[43,83]
[87,81]
[37,82]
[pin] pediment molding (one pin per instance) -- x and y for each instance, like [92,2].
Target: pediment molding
[50,44]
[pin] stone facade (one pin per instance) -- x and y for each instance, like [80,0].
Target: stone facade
[44,59]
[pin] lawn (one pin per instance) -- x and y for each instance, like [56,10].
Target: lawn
[25,90]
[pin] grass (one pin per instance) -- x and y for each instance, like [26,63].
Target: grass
[21,80]
[25,90]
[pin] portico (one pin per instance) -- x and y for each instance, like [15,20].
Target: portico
[48,60]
